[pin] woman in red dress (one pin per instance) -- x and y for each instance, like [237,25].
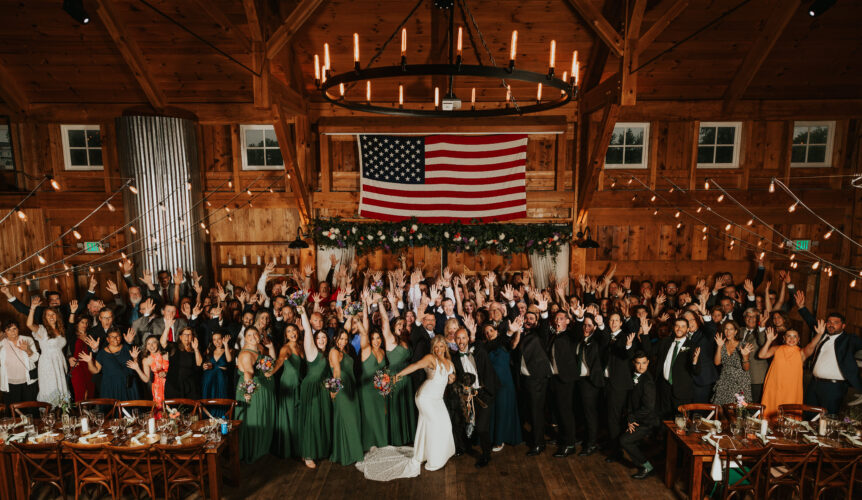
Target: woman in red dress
[82,380]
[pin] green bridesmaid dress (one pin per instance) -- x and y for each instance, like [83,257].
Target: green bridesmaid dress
[286,443]
[373,406]
[257,415]
[315,409]
[346,433]
[402,409]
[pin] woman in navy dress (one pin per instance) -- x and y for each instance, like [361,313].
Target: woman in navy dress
[505,422]
[217,361]
[118,380]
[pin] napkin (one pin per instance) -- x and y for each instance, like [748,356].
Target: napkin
[811,439]
[135,441]
[17,437]
[184,436]
[853,439]
[140,435]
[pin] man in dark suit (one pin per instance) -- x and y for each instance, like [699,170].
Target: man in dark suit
[591,379]
[641,415]
[618,379]
[420,343]
[445,312]
[535,369]
[564,367]
[834,364]
[677,359]
[475,360]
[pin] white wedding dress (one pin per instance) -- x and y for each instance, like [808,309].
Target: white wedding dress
[434,443]
[51,368]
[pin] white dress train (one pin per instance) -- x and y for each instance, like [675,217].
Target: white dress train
[434,443]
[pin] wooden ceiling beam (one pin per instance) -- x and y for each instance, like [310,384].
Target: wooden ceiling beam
[421,125]
[287,144]
[597,22]
[672,9]
[601,95]
[628,79]
[131,54]
[589,173]
[760,49]
[286,97]
[253,20]
[206,113]
[217,15]
[294,22]
[713,110]
[12,93]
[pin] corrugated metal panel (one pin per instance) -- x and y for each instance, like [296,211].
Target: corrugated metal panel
[160,153]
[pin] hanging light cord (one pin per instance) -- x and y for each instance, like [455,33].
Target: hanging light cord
[783,186]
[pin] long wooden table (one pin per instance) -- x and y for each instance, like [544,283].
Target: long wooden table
[12,487]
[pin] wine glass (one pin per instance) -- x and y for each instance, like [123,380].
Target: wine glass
[99,420]
[49,419]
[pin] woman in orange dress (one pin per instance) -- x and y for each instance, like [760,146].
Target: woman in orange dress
[783,383]
[155,362]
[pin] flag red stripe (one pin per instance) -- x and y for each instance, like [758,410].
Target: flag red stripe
[473,139]
[440,206]
[442,194]
[442,220]
[490,154]
[476,168]
[489,180]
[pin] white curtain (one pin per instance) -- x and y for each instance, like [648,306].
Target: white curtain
[344,256]
[546,265]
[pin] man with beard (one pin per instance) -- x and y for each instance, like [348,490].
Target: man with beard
[535,370]
[475,361]
[834,365]
[564,368]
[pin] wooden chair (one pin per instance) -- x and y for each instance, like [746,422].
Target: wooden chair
[133,468]
[795,410]
[836,469]
[222,407]
[182,465]
[92,466]
[183,405]
[729,410]
[106,405]
[31,407]
[787,466]
[704,408]
[39,463]
[746,465]
[135,404]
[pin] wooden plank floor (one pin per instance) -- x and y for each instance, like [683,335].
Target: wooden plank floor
[511,474]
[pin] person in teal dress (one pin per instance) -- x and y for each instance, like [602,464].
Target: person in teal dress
[286,442]
[256,410]
[346,431]
[217,361]
[505,422]
[375,428]
[315,405]
[401,407]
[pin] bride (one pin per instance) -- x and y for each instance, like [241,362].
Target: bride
[434,443]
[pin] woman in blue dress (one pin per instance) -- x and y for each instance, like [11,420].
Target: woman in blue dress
[505,422]
[215,383]
[118,380]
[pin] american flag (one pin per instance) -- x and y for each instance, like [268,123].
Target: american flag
[443,178]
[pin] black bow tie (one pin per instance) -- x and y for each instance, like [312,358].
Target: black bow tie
[463,354]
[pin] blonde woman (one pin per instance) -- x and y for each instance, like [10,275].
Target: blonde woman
[52,367]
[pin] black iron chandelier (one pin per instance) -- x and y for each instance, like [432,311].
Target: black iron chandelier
[335,87]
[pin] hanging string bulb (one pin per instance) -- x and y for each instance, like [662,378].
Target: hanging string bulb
[815,265]
[727,227]
[41,259]
[750,222]
[792,208]
[54,183]
[706,184]
[676,214]
[699,209]
[679,225]
[4,280]
[111,208]
[652,198]
[772,186]
[720,198]
[853,283]
[655,212]
[133,189]
[133,230]
[828,234]
[76,234]
[21,215]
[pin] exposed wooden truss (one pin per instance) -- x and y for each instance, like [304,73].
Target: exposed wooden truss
[287,145]
[294,22]
[672,9]
[599,24]
[212,10]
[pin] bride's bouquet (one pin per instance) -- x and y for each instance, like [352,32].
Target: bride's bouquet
[297,298]
[383,382]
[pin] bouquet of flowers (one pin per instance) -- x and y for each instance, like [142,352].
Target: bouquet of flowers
[383,382]
[377,287]
[248,389]
[333,385]
[297,298]
[353,308]
[265,364]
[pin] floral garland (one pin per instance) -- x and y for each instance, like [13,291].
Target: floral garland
[503,239]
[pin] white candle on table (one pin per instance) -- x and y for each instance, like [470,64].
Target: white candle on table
[85,425]
[822,428]
[151,426]
[764,427]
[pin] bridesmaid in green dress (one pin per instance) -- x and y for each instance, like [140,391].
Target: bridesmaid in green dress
[371,402]
[346,433]
[315,406]
[402,409]
[257,411]
[286,442]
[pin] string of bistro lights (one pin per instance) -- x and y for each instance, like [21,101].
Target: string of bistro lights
[196,226]
[17,209]
[799,202]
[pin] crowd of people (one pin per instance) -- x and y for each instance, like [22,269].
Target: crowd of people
[596,361]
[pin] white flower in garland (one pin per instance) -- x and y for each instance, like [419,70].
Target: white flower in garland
[502,236]
[335,230]
[379,233]
[355,229]
[414,227]
[403,229]
[370,237]
[445,234]
[556,237]
[419,236]
[382,237]
[331,236]
[400,238]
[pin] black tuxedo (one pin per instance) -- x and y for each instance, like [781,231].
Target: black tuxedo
[489,383]
[618,383]
[440,324]
[683,370]
[589,352]
[561,352]
[420,344]
[708,373]
[640,410]
[534,358]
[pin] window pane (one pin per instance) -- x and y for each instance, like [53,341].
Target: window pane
[816,154]
[706,136]
[634,156]
[704,154]
[798,154]
[273,157]
[726,135]
[95,157]
[724,154]
[617,136]
[800,135]
[254,138]
[254,157]
[634,135]
[614,156]
[94,139]
[818,135]
[76,139]
[78,157]
[270,139]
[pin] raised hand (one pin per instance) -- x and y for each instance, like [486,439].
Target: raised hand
[508,293]
[770,334]
[799,296]
[470,325]
[719,339]
[195,343]
[93,343]
[630,338]
[433,293]
[491,278]
[542,303]
[111,287]
[134,352]
[23,345]
[226,341]
[178,276]
[821,327]
[600,322]
[627,282]
[696,355]
[128,265]
[148,307]
[516,324]
[447,275]
[270,267]
[93,283]
[664,317]
[187,309]
[35,302]
[129,337]
[661,298]
[746,350]
[748,285]
[85,357]
[147,278]
[73,305]
[646,326]
[130,364]
[196,311]
[308,269]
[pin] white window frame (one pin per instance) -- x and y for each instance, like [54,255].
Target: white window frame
[643,165]
[830,140]
[64,131]
[737,134]
[245,165]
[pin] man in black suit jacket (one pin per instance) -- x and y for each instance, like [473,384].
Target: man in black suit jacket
[564,367]
[420,343]
[618,379]
[677,357]
[475,360]
[834,364]
[641,415]
[535,369]
[591,379]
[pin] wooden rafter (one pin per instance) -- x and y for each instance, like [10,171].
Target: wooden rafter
[597,22]
[253,19]
[607,92]
[287,145]
[760,49]
[12,93]
[131,54]
[217,15]
[589,173]
[671,10]
[286,97]
[628,80]
[294,22]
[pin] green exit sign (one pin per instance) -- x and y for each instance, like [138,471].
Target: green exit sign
[93,247]
[802,244]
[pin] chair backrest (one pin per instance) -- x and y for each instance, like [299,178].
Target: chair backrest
[42,460]
[836,468]
[704,408]
[106,405]
[183,462]
[797,410]
[223,404]
[31,407]
[749,464]
[132,464]
[183,405]
[729,410]
[91,462]
[137,404]
[788,462]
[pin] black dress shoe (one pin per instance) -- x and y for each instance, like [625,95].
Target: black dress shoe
[588,450]
[536,451]
[458,453]
[565,451]
[482,462]
[642,473]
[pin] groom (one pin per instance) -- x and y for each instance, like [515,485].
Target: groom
[475,360]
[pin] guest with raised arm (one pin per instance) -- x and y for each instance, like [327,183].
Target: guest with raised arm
[734,359]
[118,380]
[153,368]
[402,410]
[315,404]
[374,422]
[346,430]
[834,365]
[18,357]
[255,395]
[783,384]
[290,357]
[52,368]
